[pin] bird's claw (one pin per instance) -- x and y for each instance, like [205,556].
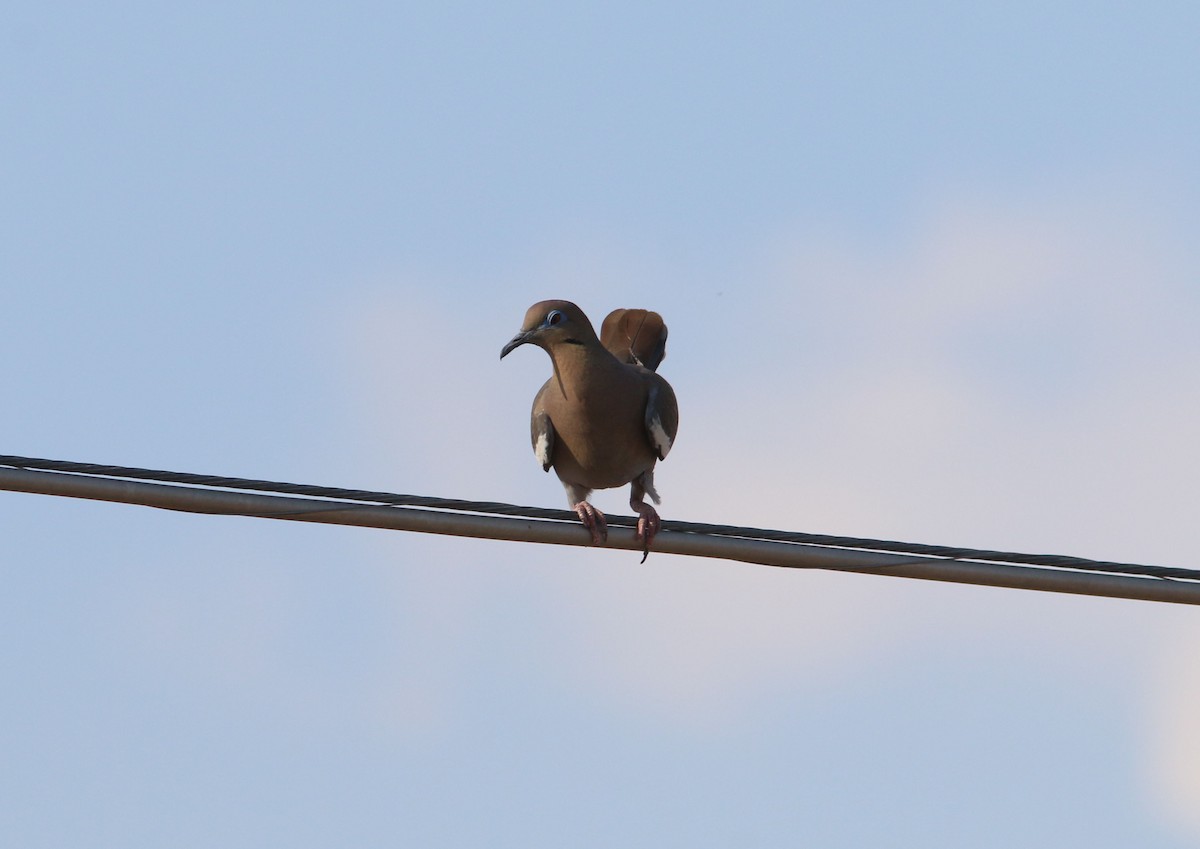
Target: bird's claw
[594,521]
[647,528]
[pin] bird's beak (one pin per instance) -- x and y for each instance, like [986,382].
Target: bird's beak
[517,341]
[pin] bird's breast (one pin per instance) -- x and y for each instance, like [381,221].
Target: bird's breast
[600,431]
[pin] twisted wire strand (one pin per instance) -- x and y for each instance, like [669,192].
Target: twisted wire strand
[376,498]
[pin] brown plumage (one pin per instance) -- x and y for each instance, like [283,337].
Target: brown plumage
[638,337]
[604,418]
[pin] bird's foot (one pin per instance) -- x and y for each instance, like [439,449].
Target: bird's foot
[647,527]
[594,521]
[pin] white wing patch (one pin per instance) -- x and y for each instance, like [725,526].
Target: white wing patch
[660,437]
[542,450]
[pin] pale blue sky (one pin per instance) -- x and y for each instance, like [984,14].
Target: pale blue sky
[931,274]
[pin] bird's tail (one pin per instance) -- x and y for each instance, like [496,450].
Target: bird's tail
[635,336]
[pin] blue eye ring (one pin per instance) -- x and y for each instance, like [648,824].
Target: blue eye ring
[554,317]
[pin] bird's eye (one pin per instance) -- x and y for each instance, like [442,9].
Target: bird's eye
[554,317]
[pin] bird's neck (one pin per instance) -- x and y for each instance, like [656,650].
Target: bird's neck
[574,364]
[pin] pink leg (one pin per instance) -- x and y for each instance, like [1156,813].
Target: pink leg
[647,526]
[594,521]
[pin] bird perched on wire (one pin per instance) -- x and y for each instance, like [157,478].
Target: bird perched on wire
[605,417]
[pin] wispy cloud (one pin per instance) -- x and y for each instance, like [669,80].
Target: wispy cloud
[1171,734]
[1007,374]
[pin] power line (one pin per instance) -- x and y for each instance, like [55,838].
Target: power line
[502,509]
[240,496]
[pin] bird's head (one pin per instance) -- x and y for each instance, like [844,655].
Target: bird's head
[551,323]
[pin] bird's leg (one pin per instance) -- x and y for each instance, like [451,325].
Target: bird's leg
[648,522]
[593,520]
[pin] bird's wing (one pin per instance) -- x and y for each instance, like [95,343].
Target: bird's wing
[638,337]
[662,415]
[541,432]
